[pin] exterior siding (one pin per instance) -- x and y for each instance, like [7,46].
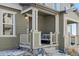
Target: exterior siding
[61,30]
[13,42]
[41,23]
[46,23]
[50,24]
[71,15]
[8,43]
[20,24]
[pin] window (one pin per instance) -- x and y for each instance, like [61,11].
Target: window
[74,29]
[7,24]
[72,33]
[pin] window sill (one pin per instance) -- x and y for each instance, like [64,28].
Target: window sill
[7,35]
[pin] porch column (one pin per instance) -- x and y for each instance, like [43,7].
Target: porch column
[57,27]
[34,26]
[35,19]
[57,23]
[27,25]
[77,32]
[65,40]
[62,31]
[65,27]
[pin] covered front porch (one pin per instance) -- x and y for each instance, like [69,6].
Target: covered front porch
[42,27]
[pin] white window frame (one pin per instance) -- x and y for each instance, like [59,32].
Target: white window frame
[1,23]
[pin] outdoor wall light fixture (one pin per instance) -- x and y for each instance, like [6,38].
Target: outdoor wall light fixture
[25,16]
